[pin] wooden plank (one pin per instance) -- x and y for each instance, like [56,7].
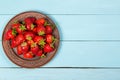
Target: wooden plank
[79,54]
[81,27]
[59,7]
[70,74]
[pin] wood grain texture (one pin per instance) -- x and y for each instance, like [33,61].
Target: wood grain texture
[61,7]
[79,54]
[58,74]
[81,27]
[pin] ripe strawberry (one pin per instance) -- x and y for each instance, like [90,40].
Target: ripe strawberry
[48,48]
[10,34]
[40,53]
[29,20]
[40,21]
[29,35]
[39,40]
[19,49]
[30,26]
[19,39]
[28,55]
[15,25]
[13,43]
[50,38]
[34,30]
[34,48]
[24,47]
[21,28]
[30,42]
[48,30]
[41,30]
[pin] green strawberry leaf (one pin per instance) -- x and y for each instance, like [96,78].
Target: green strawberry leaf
[14,32]
[43,56]
[32,26]
[22,27]
[41,33]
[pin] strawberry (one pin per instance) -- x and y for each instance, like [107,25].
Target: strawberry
[19,39]
[40,21]
[40,53]
[21,29]
[30,42]
[41,30]
[15,25]
[30,26]
[29,20]
[29,35]
[28,55]
[39,40]
[48,30]
[48,48]
[13,43]
[19,49]
[10,34]
[34,30]
[34,48]
[24,47]
[50,38]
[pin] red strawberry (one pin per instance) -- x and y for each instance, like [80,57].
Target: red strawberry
[40,53]
[10,34]
[29,20]
[35,30]
[30,42]
[19,39]
[29,35]
[40,21]
[19,49]
[24,47]
[13,43]
[48,30]
[39,40]
[48,48]
[41,30]
[28,55]
[34,48]
[21,28]
[30,26]
[50,38]
[15,25]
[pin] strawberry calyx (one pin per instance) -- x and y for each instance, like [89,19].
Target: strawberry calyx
[22,27]
[14,32]
[24,44]
[42,43]
[32,26]
[33,45]
[43,56]
[46,23]
[54,40]
[41,33]
[29,38]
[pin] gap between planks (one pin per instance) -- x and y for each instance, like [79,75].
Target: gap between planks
[67,14]
[63,68]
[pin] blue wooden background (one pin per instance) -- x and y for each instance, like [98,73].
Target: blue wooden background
[90,40]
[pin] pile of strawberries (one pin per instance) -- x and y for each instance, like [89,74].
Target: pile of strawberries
[31,37]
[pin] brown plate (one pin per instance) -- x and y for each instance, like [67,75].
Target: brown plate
[11,53]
